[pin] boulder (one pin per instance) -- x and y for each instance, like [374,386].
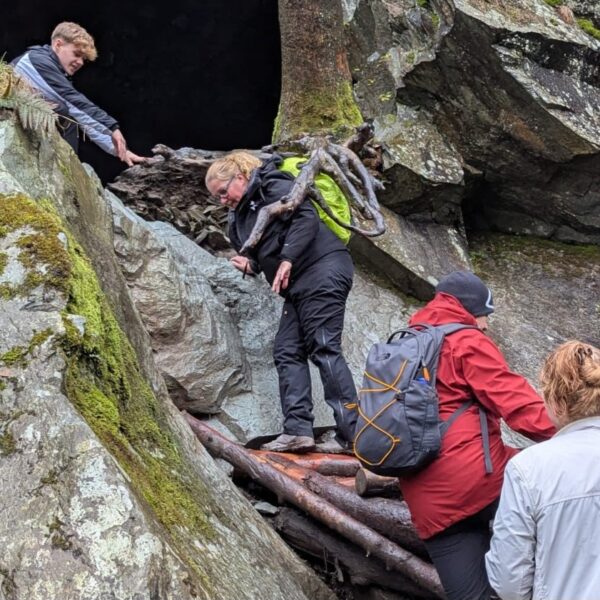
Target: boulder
[509,87]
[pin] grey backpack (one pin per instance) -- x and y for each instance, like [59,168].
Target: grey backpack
[398,430]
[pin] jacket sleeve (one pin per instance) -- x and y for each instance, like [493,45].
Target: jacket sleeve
[510,562]
[237,243]
[501,391]
[95,122]
[302,231]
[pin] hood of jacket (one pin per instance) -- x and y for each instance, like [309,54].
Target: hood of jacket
[268,170]
[443,309]
[47,49]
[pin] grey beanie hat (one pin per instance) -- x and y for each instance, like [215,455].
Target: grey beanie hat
[469,290]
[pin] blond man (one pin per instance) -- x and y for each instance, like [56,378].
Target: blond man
[49,69]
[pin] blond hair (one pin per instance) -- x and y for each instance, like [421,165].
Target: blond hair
[570,381]
[72,33]
[231,165]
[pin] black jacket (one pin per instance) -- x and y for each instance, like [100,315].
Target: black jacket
[300,237]
[42,69]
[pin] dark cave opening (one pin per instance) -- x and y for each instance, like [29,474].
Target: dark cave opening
[181,73]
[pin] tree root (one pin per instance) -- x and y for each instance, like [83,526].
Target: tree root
[342,164]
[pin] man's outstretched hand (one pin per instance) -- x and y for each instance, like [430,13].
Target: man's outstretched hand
[127,156]
[120,144]
[282,277]
[133,159]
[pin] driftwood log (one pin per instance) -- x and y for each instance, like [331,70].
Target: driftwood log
[343,165]
[337,465]
[370,484]
[305,535]
[273,477]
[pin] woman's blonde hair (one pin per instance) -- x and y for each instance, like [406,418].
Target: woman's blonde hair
[72,33]
[570,381]
[232,164]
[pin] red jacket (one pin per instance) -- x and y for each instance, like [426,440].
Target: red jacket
[455,485]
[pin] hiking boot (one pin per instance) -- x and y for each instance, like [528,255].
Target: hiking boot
[328,444]
[290,443]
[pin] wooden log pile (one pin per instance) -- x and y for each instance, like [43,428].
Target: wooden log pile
[352,519]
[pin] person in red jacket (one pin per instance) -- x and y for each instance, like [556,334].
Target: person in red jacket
[453,500]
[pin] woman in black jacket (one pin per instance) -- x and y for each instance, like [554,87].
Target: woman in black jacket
[312,269]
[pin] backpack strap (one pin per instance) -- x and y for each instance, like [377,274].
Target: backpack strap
[450,328]
[485,440]
[459,411]
[485,435]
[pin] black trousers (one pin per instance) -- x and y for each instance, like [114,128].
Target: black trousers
[458,554]
[311,327]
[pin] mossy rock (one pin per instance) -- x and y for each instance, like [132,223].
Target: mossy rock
[103,378]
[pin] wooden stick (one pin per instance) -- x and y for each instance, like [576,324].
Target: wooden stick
[370,484]
[340,465]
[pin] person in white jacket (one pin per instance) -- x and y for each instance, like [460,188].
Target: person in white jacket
[546,541]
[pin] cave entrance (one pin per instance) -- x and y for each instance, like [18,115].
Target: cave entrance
[182,73]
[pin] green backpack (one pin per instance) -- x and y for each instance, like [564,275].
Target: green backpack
[331,193]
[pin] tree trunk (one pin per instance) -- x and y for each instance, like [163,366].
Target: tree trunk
[316,85]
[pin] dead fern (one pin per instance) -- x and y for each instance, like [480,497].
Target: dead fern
[34,113]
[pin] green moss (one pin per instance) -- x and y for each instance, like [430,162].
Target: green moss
[17,355]
[41,251]
[589,28]
[422,3]
[8,445]
[104,382]
[435,19]
[58,538]
[51,478]
[554,2]
[332,111]
[3,262]
[2,385]
[6,291]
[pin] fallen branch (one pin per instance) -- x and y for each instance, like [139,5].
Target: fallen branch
[345,167]
[370,484]
[339,465]
[285,487]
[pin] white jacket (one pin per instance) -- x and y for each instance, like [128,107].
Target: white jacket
[546,543]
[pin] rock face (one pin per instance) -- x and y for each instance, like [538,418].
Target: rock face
[491,104]
[106,492]
[212,331]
